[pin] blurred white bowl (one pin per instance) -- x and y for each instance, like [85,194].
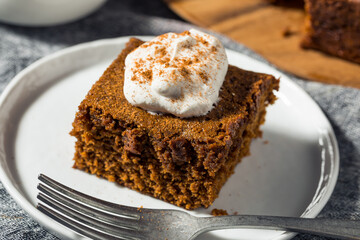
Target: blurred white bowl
[45,12]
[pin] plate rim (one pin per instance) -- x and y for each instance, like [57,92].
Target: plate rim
[41,218]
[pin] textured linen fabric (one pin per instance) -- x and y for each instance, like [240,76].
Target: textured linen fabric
[21,46]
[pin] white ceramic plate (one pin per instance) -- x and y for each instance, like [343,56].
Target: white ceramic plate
[292,170]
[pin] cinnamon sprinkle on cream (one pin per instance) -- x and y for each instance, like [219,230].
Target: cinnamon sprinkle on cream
[176,73]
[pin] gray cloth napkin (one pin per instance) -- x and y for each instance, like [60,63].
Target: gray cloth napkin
[20,46]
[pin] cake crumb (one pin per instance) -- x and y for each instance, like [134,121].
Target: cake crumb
[287,32]
[140,208]
[219,212]
[266,142]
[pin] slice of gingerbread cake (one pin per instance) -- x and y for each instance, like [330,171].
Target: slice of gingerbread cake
[183,147]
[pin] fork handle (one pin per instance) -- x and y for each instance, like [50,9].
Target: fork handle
[344,229]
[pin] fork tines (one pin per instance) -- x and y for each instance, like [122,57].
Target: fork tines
[86,215]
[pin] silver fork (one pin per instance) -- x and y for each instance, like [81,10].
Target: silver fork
[99,219]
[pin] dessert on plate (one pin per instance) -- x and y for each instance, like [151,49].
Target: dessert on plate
[171,119]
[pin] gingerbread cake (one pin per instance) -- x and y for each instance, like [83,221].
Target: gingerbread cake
[333,26]
[183,161]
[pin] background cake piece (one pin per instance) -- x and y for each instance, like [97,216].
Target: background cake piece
[182,161]
[333,26]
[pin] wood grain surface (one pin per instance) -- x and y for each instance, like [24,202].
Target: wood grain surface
[272,31]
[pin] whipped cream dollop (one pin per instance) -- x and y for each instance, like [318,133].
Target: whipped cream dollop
[174,73]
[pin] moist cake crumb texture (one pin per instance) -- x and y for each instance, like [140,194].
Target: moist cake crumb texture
[181,161]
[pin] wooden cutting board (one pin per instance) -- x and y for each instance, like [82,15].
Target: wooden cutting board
[272,31]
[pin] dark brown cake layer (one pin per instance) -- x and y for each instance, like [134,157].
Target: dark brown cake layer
[333,26]
[181,161]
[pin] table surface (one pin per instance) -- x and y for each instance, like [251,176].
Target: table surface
[272,31]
